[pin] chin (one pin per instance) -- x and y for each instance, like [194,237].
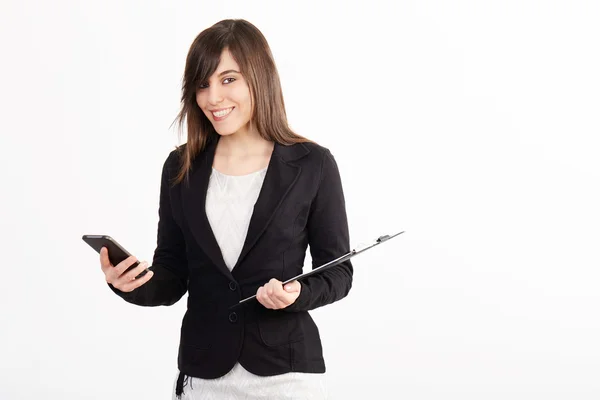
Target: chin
[225,133]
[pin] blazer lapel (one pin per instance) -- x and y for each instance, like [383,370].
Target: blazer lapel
[194,206]
[279,179]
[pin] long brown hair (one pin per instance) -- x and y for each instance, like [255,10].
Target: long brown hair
[250,50]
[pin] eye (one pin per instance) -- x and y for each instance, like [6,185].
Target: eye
[205,85]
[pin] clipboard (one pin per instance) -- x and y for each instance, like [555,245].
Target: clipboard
[354,252]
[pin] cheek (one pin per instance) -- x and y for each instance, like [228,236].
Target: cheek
[243,98]
[200,101]
[247,107]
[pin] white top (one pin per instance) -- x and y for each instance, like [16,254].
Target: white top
[229,205]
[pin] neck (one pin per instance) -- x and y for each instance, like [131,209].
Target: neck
[243,143]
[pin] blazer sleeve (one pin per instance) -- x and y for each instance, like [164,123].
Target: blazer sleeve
[169,263]
[328,239]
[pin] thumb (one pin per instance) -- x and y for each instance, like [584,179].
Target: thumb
[292,287]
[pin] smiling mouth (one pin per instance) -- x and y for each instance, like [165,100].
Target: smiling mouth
[222,114]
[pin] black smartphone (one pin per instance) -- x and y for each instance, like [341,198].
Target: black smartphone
[116,252]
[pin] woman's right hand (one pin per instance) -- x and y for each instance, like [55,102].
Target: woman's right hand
[125,282]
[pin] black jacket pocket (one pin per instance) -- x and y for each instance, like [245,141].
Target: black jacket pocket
[279,328]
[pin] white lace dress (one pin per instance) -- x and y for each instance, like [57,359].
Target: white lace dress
[229,205]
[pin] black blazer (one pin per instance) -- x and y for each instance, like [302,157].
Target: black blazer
[301,203]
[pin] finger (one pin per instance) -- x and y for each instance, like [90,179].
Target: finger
[129,276]
[113,274]
[136,283]
[104,261]
[259,296]
[121,267]
[278,303]
[277,295]
[263,298]
[292,287]
[290,295]
[274,282]
[272,287]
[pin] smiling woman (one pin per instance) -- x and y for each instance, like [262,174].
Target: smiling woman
[240,202]
[230,66]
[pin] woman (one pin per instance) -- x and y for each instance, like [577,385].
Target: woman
[239,204]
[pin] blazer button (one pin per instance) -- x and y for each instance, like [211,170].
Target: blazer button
[233,317]
[232,286]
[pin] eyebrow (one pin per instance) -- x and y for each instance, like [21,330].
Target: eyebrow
[228,71]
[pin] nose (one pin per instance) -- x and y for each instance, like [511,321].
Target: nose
[215,96]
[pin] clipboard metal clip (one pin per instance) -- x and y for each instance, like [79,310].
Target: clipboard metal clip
[383,238]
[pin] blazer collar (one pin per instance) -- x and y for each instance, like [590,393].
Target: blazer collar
[280,177]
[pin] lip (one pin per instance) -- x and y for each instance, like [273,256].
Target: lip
[220,109]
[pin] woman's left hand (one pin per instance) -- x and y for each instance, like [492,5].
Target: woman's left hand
[274,296]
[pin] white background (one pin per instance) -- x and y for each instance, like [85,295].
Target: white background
[472,125]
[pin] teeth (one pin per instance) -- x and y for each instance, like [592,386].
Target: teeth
[222,113]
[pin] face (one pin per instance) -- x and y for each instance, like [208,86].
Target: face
[225,99]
